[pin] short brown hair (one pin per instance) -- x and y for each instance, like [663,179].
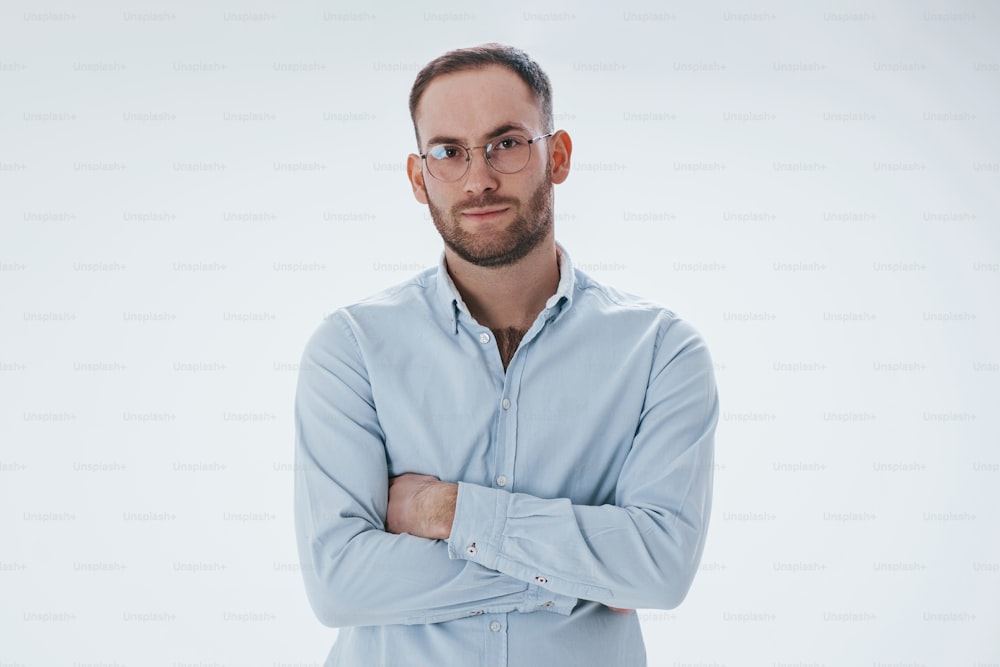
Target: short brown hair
[475,57]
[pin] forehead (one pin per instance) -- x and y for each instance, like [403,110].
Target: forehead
[468,105]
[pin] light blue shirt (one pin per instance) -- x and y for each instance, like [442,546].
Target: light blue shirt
[584,475]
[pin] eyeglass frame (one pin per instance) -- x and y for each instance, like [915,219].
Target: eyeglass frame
[486,155]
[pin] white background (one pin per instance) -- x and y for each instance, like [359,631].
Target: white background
[186,189]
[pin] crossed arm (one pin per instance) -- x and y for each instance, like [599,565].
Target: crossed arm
[424,506]
[415,549]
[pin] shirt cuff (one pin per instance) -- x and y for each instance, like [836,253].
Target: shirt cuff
[477,529]
[541,599]
[477,533]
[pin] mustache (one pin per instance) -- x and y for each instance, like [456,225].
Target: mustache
[483,202]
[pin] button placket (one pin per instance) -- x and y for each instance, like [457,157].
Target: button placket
[507,422]
[505,428]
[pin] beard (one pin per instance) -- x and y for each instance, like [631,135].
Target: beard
[522,235]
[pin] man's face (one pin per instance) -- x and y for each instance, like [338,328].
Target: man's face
[485,217]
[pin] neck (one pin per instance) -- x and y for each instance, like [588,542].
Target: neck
[507,296]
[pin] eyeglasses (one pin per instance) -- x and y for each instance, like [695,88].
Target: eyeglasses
[508,154]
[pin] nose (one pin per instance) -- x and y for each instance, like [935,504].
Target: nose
[481,176]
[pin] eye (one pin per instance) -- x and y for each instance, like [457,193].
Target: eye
[507,143]
[445,152]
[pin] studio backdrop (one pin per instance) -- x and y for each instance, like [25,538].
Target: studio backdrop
[187,189]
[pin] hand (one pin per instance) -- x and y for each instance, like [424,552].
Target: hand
[619,610]
[421,505]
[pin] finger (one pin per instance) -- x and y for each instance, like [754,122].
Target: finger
[620,610]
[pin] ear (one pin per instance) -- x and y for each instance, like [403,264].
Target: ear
[562,149]
[415,172]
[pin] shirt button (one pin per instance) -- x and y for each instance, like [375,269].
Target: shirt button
[484,338]
[505,403]
[495,626]
[501,480]
[541,580]
[549,603]
[477,612]
[472,549]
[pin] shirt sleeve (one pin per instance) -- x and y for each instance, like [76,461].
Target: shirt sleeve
[641,552]
[355,573]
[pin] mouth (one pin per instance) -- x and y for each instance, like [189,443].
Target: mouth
[483,214]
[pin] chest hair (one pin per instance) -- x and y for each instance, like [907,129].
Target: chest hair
[507,341]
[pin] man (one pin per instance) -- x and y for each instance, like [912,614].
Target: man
[498,460]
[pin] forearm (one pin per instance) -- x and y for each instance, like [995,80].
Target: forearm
[619,556]
[380,579]
[630,555]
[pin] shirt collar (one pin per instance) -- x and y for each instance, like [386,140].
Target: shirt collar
[450,299]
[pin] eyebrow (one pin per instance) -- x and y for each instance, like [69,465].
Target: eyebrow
[497,131]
